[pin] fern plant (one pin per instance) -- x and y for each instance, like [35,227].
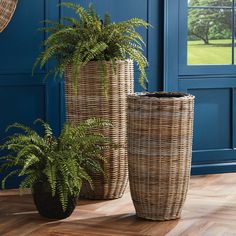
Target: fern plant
[62,162]
[78,40]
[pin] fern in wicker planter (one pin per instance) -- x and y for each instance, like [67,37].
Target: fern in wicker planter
[55,168]
[96,57]
[160,127]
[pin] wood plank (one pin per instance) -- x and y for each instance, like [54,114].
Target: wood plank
[210,210]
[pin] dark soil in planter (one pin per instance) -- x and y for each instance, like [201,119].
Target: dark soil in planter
[165,95]
[48,206]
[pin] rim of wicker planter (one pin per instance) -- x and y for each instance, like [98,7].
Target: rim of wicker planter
[106,62]
[156,96]
[7,9]
[125,60]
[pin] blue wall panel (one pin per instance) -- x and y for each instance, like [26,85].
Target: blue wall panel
[19,43]
[212,124]
[21,103]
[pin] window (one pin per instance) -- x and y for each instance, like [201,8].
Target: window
[206,37]
[211,28]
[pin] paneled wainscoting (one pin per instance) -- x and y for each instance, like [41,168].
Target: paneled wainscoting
[210,210]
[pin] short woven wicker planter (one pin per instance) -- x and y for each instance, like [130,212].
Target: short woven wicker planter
[91,101]
[159,152]
[7,9]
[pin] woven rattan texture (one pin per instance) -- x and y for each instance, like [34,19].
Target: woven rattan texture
[7,9]
[159,153]
[92,102]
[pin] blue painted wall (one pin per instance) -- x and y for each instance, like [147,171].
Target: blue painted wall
[24,98]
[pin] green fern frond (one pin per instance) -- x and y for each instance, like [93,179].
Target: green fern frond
[82,13]
[28,182]
[47,129]
[75,41]
[107,20]
[51,173]
[62,192]
[24,128]
[30,160]
[71,20]
[12,173]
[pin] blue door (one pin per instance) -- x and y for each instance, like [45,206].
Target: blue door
[24,98]
[200,59]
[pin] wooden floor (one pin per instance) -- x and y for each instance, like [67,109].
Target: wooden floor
[210,210]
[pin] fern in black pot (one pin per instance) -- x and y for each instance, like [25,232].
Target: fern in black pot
[55,168]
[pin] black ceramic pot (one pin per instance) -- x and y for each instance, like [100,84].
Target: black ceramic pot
[48,206]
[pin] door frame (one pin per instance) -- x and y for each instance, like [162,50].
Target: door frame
[173,81]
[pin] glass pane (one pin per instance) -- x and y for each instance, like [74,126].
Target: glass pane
[217,3]
[209,36]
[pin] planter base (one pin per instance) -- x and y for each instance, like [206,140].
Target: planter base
[50,207]
[145,216]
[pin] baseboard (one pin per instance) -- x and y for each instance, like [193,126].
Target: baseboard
[215,168]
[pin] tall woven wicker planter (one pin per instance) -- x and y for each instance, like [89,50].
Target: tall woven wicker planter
[159,152]
[91,101]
